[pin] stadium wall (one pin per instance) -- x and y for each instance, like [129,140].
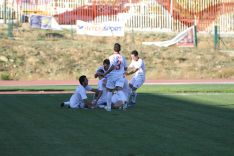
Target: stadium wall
[141,15]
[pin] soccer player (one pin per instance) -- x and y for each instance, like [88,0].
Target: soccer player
[100,97]
[79,98]
[115,74]
[137,67]
[104,67]
[118,99]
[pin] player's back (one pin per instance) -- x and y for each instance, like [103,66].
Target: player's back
[117,61]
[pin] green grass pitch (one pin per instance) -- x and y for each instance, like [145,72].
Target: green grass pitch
[167,121]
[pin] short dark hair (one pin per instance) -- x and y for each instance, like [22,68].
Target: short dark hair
[82,79]
[117,47]
[134,52]
[100,71]
[106,61]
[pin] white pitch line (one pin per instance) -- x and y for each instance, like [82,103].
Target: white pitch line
[195,93]
[185,83]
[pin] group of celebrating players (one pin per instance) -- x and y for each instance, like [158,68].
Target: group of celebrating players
[113,91]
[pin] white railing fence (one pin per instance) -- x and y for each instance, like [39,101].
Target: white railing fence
[144,15]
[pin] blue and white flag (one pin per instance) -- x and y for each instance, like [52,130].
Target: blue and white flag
[44,22]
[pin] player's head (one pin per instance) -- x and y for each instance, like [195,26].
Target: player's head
[134,55]
[83,80]
[106,64]
[117,47]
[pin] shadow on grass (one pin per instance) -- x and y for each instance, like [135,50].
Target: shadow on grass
[158,125]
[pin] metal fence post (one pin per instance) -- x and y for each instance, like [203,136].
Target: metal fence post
[10,24]
[5,2]
[216,37]
[195,31]
[171,15]
[195,36]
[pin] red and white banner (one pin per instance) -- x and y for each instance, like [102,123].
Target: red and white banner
[188,40]
[185,38]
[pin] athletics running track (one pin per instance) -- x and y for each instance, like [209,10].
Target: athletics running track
[94,82]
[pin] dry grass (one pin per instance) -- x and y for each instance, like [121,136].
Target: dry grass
[43,54]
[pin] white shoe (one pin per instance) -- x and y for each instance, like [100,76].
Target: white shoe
[108,109]
[101,106]
[125,105]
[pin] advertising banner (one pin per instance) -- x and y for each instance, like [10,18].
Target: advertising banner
[184,38]
[100,29]
[44,22]
[188,40]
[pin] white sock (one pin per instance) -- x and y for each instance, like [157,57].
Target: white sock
[129,95]
[134,95]
[109,96]
[67,103]
[129,92]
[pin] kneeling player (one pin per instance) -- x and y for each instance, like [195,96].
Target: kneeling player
[118,100]
[100,96]
[79,98]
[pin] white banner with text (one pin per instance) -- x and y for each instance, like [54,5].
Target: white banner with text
[100,29]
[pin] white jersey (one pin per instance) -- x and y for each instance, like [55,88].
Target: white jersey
[78,97]
[118,96]
[102,87]
[140,65]
[119,62]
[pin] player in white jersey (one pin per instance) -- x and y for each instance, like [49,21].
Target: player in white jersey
[115,74]
[104,67]
[118,99]
[100,96]
[79,97]
[137,67]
